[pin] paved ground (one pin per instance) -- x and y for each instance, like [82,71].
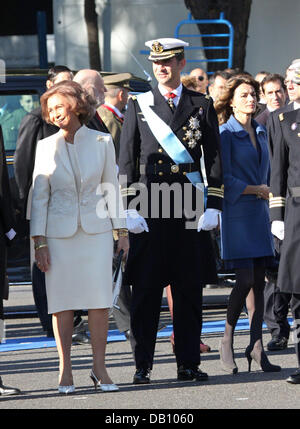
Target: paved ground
[35,372]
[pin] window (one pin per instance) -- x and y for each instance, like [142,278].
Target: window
[13,107]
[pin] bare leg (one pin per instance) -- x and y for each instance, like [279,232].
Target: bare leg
[98,326]
[63,329]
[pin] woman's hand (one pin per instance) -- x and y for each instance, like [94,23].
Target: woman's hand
[123,244]
[263,192]
[42,257]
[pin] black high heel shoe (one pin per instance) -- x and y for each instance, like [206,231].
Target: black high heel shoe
[261,360]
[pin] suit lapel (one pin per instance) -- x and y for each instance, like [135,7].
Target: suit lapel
[161,107]
[62,152]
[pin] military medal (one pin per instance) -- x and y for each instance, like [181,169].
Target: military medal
[194,123]
[193,133]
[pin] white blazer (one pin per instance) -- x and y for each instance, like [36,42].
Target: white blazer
[55,200]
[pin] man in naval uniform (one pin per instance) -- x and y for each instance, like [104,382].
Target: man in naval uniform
[285,213]
[276,303]
[163,137]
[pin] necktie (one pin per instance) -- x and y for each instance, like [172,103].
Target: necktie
[171,96]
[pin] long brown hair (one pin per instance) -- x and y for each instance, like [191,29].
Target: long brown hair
[80,101]
[222,104]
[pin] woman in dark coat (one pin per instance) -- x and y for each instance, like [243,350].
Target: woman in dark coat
[247,244]
[7,233]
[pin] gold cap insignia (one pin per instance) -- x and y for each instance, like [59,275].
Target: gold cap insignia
[157,47]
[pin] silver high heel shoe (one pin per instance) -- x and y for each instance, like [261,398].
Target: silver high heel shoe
[104,387]
[66,389]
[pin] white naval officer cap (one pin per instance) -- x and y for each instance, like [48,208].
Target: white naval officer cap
[296,77]
[165,48]
[295,64]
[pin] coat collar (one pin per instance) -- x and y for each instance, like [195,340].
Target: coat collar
[184,109]
[234,126]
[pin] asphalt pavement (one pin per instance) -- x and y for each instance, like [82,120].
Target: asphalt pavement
[35,372]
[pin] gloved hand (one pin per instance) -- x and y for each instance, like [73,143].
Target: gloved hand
[277,229]
[209,220]
[135,223]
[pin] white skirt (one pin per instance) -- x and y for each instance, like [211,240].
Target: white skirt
[80,274]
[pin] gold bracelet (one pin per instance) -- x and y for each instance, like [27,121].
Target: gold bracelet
[40,246]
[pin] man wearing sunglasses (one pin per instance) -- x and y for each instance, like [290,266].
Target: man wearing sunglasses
[201,78]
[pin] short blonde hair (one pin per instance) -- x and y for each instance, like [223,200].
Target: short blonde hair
[80,101]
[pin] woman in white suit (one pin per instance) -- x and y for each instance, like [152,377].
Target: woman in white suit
[76,205]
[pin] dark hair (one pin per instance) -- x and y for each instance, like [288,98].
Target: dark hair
[55,70]
[222,104]
[80,101]
[272,77]
[221,73]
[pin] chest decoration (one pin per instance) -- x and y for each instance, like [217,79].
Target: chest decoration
[293,126]
[192,132]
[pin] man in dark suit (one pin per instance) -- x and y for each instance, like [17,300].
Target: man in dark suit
[7,233]
[32,129]
[274,91]
[276,303]
[161,145]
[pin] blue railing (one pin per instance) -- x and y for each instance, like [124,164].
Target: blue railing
[228,60]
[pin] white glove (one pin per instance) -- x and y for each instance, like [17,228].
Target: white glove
[277,229]
[135,222]
[209,220]
[11,234]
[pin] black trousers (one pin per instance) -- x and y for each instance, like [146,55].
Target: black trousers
[187,321]
[294,300]
[276,310]
[40,297]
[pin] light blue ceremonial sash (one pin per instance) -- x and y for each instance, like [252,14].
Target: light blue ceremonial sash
[167,139]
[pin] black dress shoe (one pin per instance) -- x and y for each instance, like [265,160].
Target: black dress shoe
[142,376]
[186,374]
[277,343]
[294,378]
[80,338]
[6,391]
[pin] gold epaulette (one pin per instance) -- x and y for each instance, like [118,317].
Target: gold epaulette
[207,96]
[281,116]
[276,201]
[133,97]
[128,192]
[215,192]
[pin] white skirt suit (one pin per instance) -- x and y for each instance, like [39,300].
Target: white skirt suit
[76,203]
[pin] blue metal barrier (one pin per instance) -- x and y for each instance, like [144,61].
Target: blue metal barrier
[229,47]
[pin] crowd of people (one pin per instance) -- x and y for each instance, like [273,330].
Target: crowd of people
[227,144]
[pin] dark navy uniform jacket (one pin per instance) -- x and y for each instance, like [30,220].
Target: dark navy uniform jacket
[161,254]
[139,147]
[285,198]
[245,228]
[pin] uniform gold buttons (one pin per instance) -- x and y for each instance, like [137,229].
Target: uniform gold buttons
[160,150]
[160,161]
[160,173]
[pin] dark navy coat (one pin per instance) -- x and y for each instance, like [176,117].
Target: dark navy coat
[245,230]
